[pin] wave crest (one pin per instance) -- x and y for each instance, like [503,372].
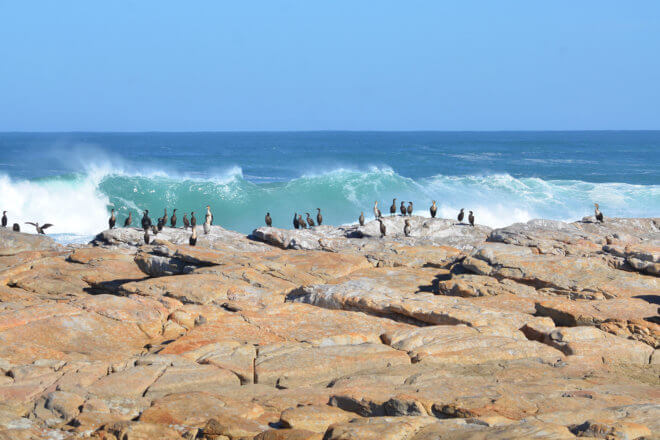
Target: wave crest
[80,204]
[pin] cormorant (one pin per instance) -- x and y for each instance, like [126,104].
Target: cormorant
[383,229]
[173,219]
[599,215]
[146,221]
[112,220]
[40,229]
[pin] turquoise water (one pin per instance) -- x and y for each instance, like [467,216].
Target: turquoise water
[73,179]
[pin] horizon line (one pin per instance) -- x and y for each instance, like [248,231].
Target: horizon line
[326,131]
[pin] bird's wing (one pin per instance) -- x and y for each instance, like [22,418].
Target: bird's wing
[47,225]
[30,223]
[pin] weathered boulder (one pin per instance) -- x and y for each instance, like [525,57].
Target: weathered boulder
[12,243]
[590,278]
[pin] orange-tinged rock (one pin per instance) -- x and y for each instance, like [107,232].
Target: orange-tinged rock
[196,408]
[314,418]
[230,329]
[132,382]
[78,336]
[321,327]
[290,365]
[192,378]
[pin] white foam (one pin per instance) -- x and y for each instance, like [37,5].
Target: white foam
[72,206]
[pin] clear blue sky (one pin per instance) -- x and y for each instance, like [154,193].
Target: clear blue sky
[305,65]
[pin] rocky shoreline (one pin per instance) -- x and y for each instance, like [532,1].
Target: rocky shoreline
[538,330]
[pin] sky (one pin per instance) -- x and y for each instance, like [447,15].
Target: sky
[339,65]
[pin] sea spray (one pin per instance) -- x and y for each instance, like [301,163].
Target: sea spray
[78,205]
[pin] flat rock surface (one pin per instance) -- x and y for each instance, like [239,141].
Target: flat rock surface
[542,329]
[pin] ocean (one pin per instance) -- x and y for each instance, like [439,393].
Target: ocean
[72,180]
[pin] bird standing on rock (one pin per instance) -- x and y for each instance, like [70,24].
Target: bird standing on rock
[393,207]
[16,227]
[193,238]
[599,215]
[208,220]
[129,220]
[461,215]
[377,213]
[403,208]
[4,219]
[319,217]
[383,229]
[146,236]
[173,219]
[410,208]
[112,220]
[361,219]
[186,222]
[296,222]
[301,222]
[146,221]
[162,221]
[471,219]
[40,229]
[406,228]
[193,219]
[433,209]
[310,222]
[269,221]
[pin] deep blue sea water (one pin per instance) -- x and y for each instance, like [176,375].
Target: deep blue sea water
[73,179]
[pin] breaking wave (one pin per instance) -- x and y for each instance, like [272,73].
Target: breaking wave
[79,204]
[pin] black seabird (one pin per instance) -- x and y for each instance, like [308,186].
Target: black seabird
[112,220]
[40,229]
[129,220]
[173,219]
[319,217]
[471,218]
[393,207]
[269,221]
[433,209]
[146,221]
[461,215]
[383,229]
